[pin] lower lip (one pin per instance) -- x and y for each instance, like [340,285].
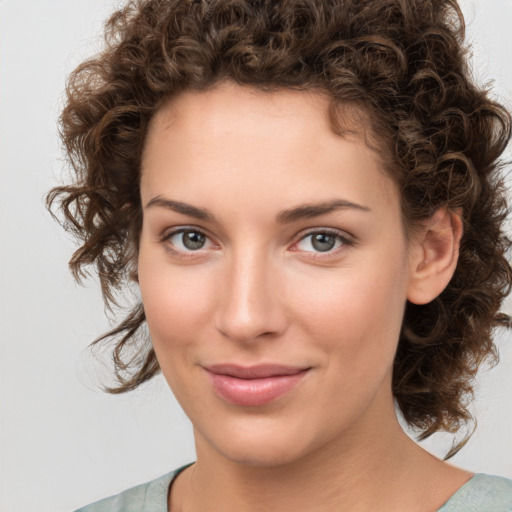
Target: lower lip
[254,392]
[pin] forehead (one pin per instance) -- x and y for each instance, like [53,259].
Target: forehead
[226,105]
[254,138]
[226,97]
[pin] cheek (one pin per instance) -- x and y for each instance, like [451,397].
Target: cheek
[177,304]
[177,300]
[355,313]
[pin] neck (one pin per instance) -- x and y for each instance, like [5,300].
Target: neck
[370,468]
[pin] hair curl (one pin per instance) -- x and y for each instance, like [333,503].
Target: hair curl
[401,61]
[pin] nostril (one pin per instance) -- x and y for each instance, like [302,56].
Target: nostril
[250,328]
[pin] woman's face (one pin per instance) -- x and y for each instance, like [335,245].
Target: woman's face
[273,270]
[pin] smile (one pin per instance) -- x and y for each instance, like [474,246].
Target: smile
[256,385]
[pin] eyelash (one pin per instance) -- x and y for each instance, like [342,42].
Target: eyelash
[345,242]
[182,254]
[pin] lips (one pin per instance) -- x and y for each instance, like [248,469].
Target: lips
[255,385]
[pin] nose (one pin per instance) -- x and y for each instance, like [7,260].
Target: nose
[251,306]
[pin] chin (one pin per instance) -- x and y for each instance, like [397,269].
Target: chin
[262,443]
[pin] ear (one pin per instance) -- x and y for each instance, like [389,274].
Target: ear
[433,256]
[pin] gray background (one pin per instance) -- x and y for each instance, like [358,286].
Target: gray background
[64,443]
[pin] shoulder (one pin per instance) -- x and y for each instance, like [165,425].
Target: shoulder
[483,493]
[150,496]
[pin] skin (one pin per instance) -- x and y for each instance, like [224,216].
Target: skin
[259,291]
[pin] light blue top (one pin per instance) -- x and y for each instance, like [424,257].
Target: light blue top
[483,493]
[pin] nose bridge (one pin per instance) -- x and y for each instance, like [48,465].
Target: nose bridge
[249,306]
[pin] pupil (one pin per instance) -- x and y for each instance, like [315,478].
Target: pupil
[193,240]
[322,242]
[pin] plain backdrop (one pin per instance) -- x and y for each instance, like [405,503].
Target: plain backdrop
[63,442]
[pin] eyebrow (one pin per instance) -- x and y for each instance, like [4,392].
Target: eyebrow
[179,207]
[308,211]
[305,211]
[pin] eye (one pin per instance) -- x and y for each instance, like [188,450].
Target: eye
[188,240]
[321,241]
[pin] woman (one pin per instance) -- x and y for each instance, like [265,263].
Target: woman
[307,194]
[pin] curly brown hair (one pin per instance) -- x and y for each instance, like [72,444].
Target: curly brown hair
[401,62]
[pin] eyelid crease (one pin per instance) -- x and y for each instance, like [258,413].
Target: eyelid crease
[346,237]
[182,229]
[343,235]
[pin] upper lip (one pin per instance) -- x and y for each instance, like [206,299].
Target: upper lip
[254,372]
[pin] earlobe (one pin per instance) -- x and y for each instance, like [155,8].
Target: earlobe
[434,256]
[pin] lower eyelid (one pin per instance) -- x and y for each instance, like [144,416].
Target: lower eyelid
[169,234]
[185,254]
